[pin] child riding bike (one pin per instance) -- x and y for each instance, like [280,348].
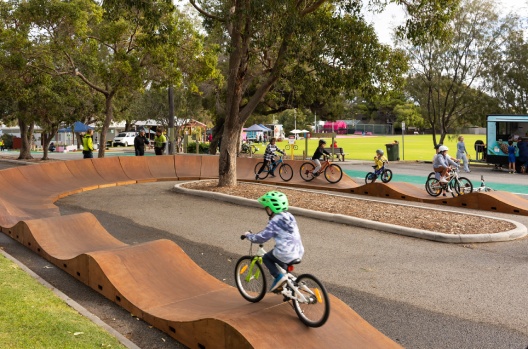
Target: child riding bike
[282,226]
[379,159]
[269,156]
[320,151]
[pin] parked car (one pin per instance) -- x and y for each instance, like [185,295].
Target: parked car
[125,139]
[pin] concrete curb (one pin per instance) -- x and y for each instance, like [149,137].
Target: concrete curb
[518,232]
[79,308]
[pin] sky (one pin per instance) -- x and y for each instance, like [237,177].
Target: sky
[385,22]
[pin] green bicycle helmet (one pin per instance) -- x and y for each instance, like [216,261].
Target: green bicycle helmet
[275,200]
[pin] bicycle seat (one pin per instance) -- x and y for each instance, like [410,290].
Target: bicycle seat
[295,261]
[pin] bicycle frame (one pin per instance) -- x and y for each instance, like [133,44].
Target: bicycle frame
[275,164]
[257,258]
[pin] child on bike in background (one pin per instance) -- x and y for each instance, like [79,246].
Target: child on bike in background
[379,159]
[317,156]
[269,158]
[282,226]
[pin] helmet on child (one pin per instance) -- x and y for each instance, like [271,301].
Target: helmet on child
[322,141]
[275,200]
[442,148]
[379,151]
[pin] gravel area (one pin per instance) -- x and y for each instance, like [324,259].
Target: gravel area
[412,217]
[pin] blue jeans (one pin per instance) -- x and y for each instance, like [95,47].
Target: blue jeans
[87,154]
[269,261]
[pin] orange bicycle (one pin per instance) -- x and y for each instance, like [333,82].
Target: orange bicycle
[332,172]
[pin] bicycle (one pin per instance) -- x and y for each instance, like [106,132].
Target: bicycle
[455,184]
[332,172]
[385,173]
[285,170]
[307,294]
[483,188]
[248,148]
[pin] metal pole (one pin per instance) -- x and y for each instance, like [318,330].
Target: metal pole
[403,141]
[171,120]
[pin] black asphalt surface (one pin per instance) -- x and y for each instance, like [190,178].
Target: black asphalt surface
[193,222]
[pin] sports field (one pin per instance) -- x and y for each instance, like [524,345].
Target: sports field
[412,147]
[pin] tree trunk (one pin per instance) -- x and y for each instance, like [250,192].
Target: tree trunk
[218,131]
[46,140]
[26,135]
[228,156]
[109,112]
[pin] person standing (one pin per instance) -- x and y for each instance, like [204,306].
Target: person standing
[522,144]
[511,156]
[159,142]
[139,143]
[462,153]
[88,145]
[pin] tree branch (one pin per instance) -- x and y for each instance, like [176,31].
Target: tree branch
[206,14]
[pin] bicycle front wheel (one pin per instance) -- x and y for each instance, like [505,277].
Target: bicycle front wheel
[370,178]
[285,172]
[386,176]
[250,279]
[433,186]
[265,171]
[333,173]
[315,309]
[463,186]
[306,171]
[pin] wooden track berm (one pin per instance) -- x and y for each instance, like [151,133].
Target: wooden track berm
[157,281]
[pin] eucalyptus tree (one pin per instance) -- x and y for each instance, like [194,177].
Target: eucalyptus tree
[19,85]
[326,42]
[506,78]
[447,72]
[118,47]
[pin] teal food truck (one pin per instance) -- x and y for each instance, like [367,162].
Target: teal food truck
[501,129]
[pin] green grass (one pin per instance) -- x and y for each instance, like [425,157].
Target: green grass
[31,316]
[412,147]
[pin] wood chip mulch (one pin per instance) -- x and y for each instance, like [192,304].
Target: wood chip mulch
[413,217]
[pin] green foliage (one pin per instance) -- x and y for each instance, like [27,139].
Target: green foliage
[203,148]
[508,83]
[446,71]
[8,140]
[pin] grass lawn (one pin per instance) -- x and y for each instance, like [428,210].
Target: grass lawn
[412,147]
[31,316]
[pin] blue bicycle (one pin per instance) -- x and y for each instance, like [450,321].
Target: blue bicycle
[285,170]
[383,172]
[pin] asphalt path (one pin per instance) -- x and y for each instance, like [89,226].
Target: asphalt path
[421,294]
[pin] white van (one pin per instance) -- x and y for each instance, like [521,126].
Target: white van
[125,138]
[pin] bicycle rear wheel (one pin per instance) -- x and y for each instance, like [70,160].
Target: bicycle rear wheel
[433,187]
[306,171]
[250,279]
[463,186]
[315,311]
[386,176]
[285,172]
[333,173]
[370,177]
[265,172]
